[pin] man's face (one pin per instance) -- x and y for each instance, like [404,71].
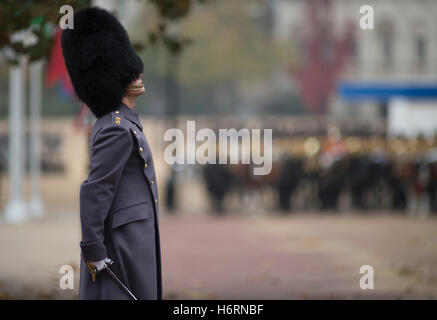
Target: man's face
[136,88]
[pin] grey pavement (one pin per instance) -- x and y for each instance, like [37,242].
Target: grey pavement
[297,256]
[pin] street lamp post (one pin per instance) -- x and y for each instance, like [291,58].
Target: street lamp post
[15,211]
[36,208]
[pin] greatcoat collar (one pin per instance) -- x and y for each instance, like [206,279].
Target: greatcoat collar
[130,114]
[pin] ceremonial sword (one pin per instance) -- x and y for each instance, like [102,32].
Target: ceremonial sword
[93,270]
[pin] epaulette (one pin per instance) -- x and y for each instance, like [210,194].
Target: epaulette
[116,117]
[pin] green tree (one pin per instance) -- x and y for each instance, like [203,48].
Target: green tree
[27,26]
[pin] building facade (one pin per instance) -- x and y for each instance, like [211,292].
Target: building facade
[400,53]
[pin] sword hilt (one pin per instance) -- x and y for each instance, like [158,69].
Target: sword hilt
[93,269]
[108,262]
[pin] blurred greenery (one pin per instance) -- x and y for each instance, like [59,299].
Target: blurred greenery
[230,48]
[39,17]
[227,45]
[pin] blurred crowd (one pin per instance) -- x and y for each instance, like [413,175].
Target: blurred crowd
[333,172]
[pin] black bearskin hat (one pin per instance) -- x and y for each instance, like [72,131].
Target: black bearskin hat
[100,59]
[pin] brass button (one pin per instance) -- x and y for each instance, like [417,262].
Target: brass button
[151,182]
[117,122]
[145,165]
[141,149]
[117,118]
[135,132]
[116,111]
[156,200]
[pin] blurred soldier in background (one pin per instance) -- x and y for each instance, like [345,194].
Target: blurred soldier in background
[359,170]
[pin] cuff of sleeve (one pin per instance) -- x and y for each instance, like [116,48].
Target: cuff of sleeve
[94,251]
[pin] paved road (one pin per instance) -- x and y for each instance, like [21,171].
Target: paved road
[300,256]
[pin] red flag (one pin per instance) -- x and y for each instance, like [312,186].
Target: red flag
[57,72]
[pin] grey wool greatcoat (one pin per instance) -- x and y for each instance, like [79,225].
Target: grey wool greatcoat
[119,210]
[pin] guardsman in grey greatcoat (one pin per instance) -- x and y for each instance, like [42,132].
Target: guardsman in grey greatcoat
[119,199]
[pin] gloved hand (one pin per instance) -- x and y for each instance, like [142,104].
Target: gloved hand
[100,265]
